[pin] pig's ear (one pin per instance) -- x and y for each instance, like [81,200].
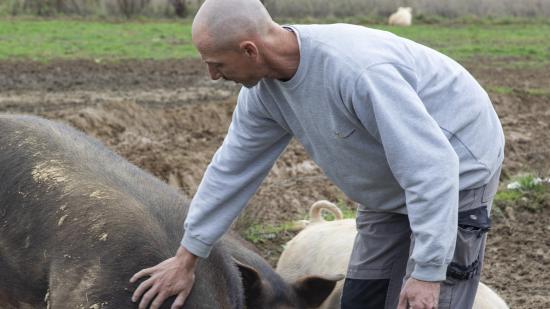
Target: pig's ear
[313,290]
[252,283]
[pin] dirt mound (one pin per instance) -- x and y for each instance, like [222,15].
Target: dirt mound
[177,144]
[69,75]
[35,87]
[517,258]
[524,112]
[174,144]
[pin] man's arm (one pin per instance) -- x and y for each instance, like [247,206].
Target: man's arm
[252,145]
[422,161]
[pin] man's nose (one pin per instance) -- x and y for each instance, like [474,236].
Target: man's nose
[214,74]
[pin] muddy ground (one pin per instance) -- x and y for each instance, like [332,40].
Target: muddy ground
[167,117]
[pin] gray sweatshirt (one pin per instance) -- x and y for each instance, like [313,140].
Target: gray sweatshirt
[397,126]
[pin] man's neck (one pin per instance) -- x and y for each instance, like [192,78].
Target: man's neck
[285,56]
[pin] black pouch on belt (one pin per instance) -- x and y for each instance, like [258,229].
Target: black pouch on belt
[472,224]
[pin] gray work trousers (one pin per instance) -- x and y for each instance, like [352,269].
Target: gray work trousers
[384,242]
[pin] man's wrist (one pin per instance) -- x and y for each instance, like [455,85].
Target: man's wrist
[426,281]
[186,257]
[195,246]
[429,272]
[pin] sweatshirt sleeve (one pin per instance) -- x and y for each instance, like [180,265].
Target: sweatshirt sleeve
[250,148]
[421,159]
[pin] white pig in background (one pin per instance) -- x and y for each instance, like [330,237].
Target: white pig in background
[402,17]
[324,248]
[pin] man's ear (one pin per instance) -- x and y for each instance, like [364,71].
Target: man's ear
[249,49]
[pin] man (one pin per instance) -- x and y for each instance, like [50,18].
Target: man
[400,128]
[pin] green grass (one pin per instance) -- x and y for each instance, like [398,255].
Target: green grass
[499,89]
[539,92]
[529,42]
[43,39]
[259,233]
[347,211]
[508,196]
[528,194]
[507,90]
[77,39]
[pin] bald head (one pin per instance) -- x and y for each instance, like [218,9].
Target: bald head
[222,24]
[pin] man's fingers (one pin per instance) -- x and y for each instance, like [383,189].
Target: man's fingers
[141,273]
[161,297]
[402,302]
[141,289]
[146,299]
[180,300]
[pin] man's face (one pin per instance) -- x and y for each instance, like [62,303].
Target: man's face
[233,65]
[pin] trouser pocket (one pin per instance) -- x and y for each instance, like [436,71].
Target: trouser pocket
[364,294]
[472,226]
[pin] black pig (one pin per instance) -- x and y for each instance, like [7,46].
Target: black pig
[77,221]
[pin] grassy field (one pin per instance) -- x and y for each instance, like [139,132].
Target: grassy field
[45,40]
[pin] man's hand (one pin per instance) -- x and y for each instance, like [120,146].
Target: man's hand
[418,294]
[174,276]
